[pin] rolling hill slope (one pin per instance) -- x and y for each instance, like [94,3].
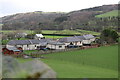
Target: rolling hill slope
[81,19]
[109,14]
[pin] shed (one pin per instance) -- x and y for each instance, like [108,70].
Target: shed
[11,50]
[39,36]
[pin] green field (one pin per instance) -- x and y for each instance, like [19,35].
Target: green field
[109,14]
[81,32]
[54,37]
[99,62]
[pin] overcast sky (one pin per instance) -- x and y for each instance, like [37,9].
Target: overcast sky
[8,7]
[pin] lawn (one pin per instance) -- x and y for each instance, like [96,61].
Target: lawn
[54,37]
[99,62]
[81,32]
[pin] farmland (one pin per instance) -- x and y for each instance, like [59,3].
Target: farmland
[93,63]
[99,62]
[64,32]
[109,14]
[55,32]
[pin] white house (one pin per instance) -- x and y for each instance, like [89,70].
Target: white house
[86,39]
[39,36]
[28,44]
[24,44]
[55,45]
[71,41]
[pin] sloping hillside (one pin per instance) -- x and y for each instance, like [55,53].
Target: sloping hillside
[109,14]
[82,19]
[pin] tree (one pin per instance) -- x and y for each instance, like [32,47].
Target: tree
[109,36]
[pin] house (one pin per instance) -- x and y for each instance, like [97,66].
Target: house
[55,45]
[39,36]
[86,39]
[24,44]
[21,35]
[11,50]
[28,44]
[43,43]
[71,41]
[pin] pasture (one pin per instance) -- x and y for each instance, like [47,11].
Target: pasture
[109,14]
[99,62]
[81,32]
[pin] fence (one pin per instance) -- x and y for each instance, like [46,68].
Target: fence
[39,53]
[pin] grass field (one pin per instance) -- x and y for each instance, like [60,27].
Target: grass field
[91,63]
[54,37]
[99,62]
[82,32]
[55,32]
[111,14]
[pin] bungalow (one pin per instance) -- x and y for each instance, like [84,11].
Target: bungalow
[39,36]
[55,45]
[19,43]
[86,39]
[71,41]
[27,44]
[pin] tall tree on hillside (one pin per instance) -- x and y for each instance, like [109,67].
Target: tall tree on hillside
[109,35]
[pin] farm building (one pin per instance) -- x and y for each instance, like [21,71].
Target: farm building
[71,41]
[11,50]
[55,45]
[86,39]
[21,35]
[28,44]
[39,36]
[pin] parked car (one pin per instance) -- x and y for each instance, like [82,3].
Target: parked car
[44,49]
[72,46]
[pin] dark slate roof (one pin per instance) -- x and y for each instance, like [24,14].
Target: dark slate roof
[85,37]
[55,43]
[43,44]
[34,41]
[45,40]
[13,48]
[69,39]
[27,42]
[80,37]
[18,42]
[88,36]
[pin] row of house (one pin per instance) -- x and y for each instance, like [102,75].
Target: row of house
[62,43]
[78,40]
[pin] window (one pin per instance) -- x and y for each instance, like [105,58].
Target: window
[27,45]
[60,46]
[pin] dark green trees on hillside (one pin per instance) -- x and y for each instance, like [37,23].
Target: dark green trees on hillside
[109,36]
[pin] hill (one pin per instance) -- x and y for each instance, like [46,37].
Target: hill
[82,19]
[109,14]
